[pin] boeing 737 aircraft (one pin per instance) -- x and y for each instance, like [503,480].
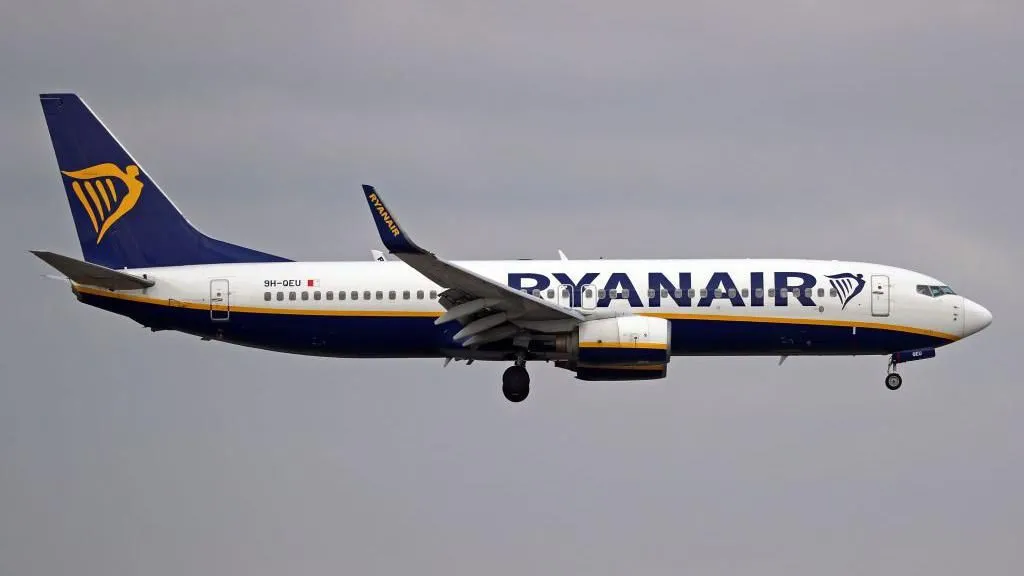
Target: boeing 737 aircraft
[601,319]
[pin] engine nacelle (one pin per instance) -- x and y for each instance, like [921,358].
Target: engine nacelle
[626,341]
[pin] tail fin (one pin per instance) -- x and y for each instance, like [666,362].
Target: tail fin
[122,217]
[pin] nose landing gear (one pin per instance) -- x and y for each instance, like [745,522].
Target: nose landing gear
[893,381]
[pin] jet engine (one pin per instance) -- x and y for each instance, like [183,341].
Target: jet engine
[621,348]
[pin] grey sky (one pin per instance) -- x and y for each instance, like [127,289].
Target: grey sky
[879,131]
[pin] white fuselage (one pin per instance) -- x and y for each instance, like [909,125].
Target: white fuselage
[715,306]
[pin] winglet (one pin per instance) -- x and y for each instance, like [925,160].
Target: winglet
[394,238]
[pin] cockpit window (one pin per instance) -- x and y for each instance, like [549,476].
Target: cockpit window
[934,291]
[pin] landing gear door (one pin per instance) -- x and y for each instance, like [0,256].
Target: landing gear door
[220,300]
[879,295]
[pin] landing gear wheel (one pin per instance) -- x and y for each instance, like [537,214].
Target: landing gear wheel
[515,383]
[893,381]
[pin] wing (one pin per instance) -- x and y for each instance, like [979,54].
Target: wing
[93,274]
[499,311]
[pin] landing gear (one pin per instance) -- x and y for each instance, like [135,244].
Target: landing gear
[515,383]
[893,381]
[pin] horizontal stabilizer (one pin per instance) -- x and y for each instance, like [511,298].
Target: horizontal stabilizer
[93,274]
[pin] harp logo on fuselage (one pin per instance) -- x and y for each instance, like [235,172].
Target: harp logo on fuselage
[847,286]
[106,193]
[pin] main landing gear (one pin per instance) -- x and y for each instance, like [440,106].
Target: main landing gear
[515,382]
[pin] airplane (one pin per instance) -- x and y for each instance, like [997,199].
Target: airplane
[603,320]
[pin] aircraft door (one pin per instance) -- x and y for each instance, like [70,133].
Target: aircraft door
[879,295]
[220,300]
[588,295]
[565,296]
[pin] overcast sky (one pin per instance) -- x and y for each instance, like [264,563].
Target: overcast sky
[881,131]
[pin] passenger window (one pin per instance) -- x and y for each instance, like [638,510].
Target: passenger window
[551,293]
[341,295]
[366,294]
[330,295]
[759,292]
[392,295]
[625,293]
[732,292]
[380,294]
[601,293]
[291,295]
[821,292]
[833,293]
[771,292]
[719,293]
[650,293]
[808,292]
[679,292]
[746,292]
[305,295]
[355,295]
[703,292]
[280,296]
[316,295]
[692,293]
[405,295]
[419,294]
[266,296]
[433,294]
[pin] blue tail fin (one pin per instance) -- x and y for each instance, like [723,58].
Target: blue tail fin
[122,217]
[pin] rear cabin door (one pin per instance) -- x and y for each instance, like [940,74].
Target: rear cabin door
[879,295]
[220,300]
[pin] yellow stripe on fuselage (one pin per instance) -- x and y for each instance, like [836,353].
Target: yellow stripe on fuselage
[642,345]
[78,288]
[252,309]
[811,321]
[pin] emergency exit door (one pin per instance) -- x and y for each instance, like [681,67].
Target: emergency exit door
[220,300]
[879,295]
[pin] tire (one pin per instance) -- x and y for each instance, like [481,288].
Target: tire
[893,381]
[515,384]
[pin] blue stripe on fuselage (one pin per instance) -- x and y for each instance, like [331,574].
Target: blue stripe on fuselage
[410,336]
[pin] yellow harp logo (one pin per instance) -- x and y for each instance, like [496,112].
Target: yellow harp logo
[106,192]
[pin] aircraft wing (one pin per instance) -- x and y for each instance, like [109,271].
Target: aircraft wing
[93,274]
[468,293]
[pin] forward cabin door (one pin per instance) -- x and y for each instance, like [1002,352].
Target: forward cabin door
[879,295]
[220,300]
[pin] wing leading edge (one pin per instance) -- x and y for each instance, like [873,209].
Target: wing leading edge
[493,305]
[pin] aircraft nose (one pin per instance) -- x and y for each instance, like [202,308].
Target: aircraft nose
[976,317]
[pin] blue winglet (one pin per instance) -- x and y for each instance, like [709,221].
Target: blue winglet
[393,237]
